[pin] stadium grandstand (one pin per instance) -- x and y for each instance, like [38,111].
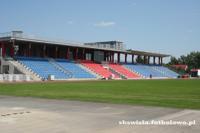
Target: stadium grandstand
[35,59]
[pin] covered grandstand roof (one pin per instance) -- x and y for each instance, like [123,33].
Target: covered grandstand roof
[19,36]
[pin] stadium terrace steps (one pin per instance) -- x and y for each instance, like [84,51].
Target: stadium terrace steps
[23,69]
[75,69]
[64,69]
[85,63]
[123,71]
[153,70]
[89,71]
[166,71]
[42,67]
[60,68]
[100,70]
[144,70]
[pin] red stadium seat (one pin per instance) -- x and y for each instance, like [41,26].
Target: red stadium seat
[124,71]
[99,69]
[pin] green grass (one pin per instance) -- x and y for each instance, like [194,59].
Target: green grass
[166,93]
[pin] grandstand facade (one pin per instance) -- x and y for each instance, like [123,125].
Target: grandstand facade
[64,60]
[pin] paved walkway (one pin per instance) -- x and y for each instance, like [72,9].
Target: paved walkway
[32,115]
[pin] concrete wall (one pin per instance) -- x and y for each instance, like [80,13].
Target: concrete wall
[8,68]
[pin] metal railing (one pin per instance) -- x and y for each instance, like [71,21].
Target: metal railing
[6,34]
[19,34]
[14,77]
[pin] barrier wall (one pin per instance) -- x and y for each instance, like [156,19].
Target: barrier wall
[14,77]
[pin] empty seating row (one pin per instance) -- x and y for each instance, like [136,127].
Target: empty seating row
[124,71]
[60,68]
[166,71]
[74,69]
[42,67]
[65,69]
[151,70]
[99,69]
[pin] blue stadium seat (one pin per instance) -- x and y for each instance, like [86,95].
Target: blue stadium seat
[74,68]
[166,71]
[155,71]
[42,67]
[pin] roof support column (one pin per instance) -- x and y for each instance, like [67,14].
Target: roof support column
[56,52]
[3,49]
[118,57]
[161,60]
[137,60]
[92,57]
[148,59]
[154,60]
[113,57]
[12,51]
[67,53]
[132,58]
[113,54]
[0,49]
[145,59]
[110,56]
[83,54]
[29,49]
[125,57]
[76,53]
[44,50]
[105,55]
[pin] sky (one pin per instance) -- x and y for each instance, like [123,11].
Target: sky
[163,26]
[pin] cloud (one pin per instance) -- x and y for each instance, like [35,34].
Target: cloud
[105,24]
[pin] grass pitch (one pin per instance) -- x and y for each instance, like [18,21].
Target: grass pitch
[167,93]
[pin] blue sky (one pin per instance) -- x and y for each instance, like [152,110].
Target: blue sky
[166,26]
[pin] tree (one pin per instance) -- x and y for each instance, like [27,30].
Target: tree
[192,60]
[139,59]
[173,61]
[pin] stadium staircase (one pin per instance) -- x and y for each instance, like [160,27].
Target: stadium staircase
[89,71]
[61,68]
[100,70]
[42,67]
[74,68]
[123,71]
[166,71]
[153,70]
[23,69]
